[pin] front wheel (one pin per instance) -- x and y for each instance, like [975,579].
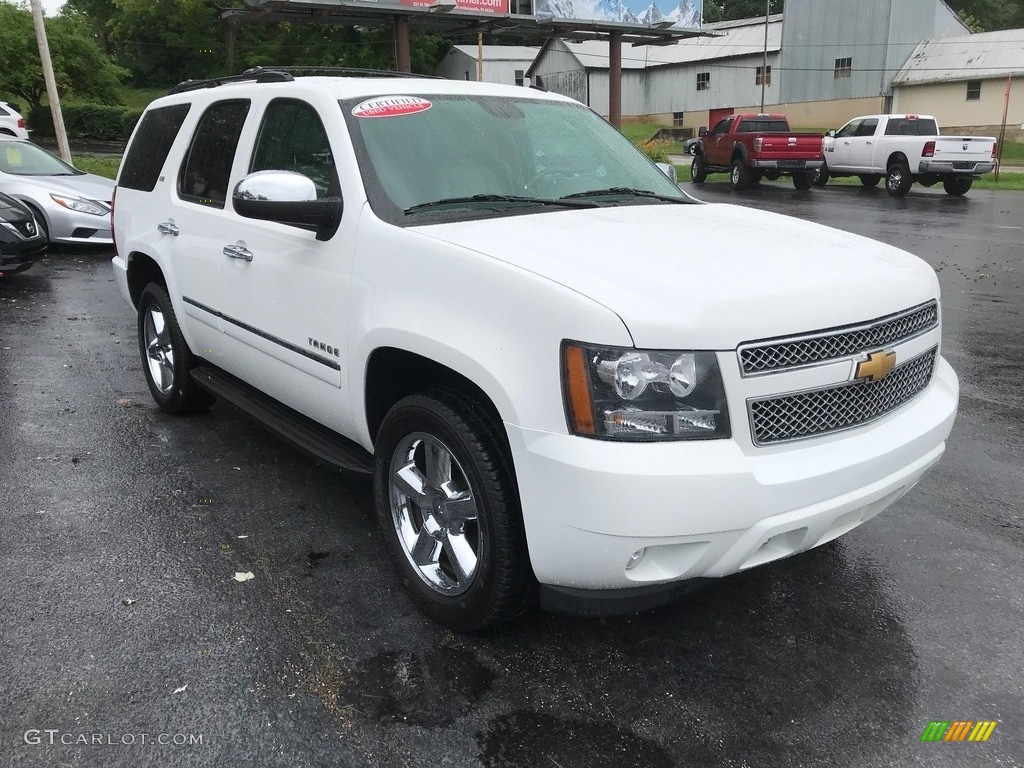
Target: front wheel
[448,509]
[698,169]
[803,181]
[739,176]
[898,181]
[166,358]
[957,187]
[870,179]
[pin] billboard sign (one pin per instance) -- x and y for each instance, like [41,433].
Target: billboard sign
[476,6]
[685,13]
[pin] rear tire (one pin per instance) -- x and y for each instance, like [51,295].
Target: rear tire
[448,508]
[898,181]
[739,175]
[870,179]
[803,181]
[698,169]
[821,176]
[957,187]
[166,358]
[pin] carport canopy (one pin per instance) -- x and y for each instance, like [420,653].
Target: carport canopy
[465,17]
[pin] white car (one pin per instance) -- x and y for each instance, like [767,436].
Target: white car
[11,123]
[559,369]
[71,206]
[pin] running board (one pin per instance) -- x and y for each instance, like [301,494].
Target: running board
[300,432]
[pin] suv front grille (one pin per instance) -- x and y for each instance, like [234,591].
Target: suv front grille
[773,355]
[834,409]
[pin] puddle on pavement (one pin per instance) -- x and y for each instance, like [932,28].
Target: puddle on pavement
[431,688]
[527,738]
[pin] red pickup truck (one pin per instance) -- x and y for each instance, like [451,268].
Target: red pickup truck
[752,147]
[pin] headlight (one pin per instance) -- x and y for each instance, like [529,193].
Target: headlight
[616,393]
[81,205]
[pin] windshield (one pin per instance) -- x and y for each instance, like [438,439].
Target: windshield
[24,159]
[423,158]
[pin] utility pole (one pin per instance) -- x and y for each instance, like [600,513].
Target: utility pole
[51,83]
[480,57]
[764,65]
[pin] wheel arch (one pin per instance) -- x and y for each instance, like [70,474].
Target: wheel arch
[739,151]
[142,270]
[894,158]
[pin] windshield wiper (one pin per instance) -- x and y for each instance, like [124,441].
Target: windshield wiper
[561,202]
[625,191]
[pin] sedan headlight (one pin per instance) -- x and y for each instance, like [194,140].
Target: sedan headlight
[81,205]
[616,393]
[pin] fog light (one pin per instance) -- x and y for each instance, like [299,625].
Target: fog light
[635,558]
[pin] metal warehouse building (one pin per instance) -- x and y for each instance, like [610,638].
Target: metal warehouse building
[827,61]
[501,63]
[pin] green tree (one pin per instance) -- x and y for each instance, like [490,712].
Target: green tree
[80,67]
[727,10]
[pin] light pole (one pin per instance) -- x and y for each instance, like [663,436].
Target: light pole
[764,65]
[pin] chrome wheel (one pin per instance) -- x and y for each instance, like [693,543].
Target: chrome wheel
[434,513]
[159,350]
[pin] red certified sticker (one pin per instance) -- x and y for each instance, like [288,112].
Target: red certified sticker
[391,106]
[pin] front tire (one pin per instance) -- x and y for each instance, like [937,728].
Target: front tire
[448,509]
[698,169]
[166,358]
[739,176]
[898,181]
[957,187]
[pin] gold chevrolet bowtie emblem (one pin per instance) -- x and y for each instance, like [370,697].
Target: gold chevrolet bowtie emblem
[877,366]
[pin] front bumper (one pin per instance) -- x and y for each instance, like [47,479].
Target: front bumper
[787,165]
[76,228]
[716,507]
[15,257]
[951,168]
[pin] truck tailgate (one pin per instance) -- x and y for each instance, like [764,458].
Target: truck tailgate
[787,146]
[964,150]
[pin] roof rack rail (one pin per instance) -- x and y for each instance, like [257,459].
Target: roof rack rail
[258,74]
[348,71]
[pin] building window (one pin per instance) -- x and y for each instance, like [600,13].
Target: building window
[519,77]
[844,68]
[703,81]
[974,90]
[677,119]
[764,76]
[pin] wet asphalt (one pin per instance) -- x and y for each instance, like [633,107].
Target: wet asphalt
[121,529]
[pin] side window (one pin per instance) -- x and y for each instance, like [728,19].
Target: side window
[850,129]
[153,141]
[205,173]
[4,112]
[867,127]
[292,138]
[723,126]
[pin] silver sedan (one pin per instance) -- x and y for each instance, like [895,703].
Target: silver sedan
[71,206]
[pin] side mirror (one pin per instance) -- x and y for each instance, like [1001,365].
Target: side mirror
[287,197]
[831,133]
[702,132]
[669,170]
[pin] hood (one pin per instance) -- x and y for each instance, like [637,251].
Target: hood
[87,185]
[705,276]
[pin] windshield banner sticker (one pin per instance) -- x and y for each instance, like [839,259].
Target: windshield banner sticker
[391,106]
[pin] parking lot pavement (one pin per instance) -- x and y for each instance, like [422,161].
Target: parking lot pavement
[121,530]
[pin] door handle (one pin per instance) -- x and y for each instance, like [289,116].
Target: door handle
[868,143]
[167,228]
[238,252]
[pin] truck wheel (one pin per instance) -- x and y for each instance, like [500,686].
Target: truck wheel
[821,176]
[803,181]
[870,179]
[898,181]
[166,358]
[698,169]
[448,508]
[755,177]
[739,176]
[957,187]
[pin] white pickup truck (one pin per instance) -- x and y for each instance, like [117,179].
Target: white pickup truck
[904,149]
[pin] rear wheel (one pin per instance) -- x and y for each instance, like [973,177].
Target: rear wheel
[821,176]
[957,187]
[898,181]
[870,179]
[448,509]
[166,358]
[739,176]
[803,181]
[698,169]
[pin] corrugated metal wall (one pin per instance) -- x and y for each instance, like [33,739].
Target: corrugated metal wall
[634,99]
[733,82]
[562,73]
[456,64]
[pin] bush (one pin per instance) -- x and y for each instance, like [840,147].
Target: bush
[656,150]
[87,121]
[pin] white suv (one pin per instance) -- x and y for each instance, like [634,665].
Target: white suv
[12,123]
[559,369]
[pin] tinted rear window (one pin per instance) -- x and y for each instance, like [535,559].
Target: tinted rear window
[905,126]
[763,126]
[207,167]
[152,142]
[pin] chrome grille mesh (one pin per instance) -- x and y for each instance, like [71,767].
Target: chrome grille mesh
[822,411]
[781,354]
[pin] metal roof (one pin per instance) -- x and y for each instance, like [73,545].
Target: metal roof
[502,52]
[970,57]
[744,37]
